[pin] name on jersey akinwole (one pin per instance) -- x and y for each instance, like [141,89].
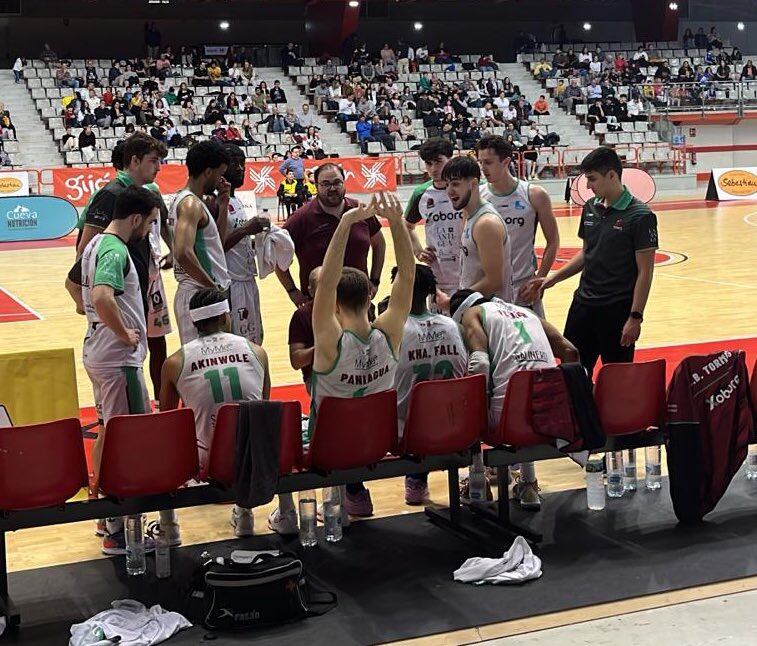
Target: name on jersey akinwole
[201,364]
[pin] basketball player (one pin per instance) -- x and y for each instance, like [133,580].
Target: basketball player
[432,348]
[199,261]
[503,338]
[216,368]
[485,246]
[116,341]
[239,246]
[354,357]
[140,162]
[443,224]
[522,206]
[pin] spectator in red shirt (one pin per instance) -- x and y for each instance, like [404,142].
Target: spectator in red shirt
[312,227]
[621,64]
[541,106]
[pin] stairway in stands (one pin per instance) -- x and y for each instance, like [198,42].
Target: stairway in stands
[336,141]
[36,146]
[571,132]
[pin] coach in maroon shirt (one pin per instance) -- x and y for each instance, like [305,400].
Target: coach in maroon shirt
[312,227]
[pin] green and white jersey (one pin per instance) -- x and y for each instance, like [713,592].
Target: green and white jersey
[520,219]
[444,228]
[470,261]
[156,252]
[362,367]
[432,348]
[217,369]
[106,261]
[240,259]
[208,248]
[517,341]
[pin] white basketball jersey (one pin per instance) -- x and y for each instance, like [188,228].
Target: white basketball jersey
[362,367]
[208,248]
[432,348]
[517,341]
[240,259]
[520,219]
[470,262]
[217,369]
[106,261]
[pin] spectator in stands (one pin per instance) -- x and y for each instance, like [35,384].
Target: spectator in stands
[714,38]
[184,93]
[347,110]
[596,114]
[159,131]
[114,72]
[188,114]
[421,54]
[162,67]
[87,144]
[310,188]
[232,103]
[170,96]
[304,119]
[700,39]
[407,131]
[260,102]
[103,115]
[366,107]
[86,117]
[523,112]
[274,122]
[594,90]
[543,69]
[200,76]
[687,39]
[288,193]
[249,132]
[320,94]
[722,72]
[214,73]
[248,73]
[213,112]
[736,55]
[541,107]
[18,69]
[485,63]
[233,134]
[685,72]
[641,56]
[388,58]
[380,133]
[295,164]
[68,141]
[363,131]
[219,132]
[748,72]
[63,77]
[277,94]
[288,56]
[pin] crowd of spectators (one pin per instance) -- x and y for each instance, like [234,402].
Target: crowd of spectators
[137,88]
[594,77]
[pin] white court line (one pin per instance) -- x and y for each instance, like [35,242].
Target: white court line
[706,280]
[22,304]
[748,218]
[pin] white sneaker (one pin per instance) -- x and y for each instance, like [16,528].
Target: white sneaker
[528,494]
[242,521]
[171,531]
[284,524]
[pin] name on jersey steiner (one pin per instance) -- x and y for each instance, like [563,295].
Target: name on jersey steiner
[201,364]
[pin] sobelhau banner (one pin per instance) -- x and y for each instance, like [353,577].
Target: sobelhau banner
[14,184]
[728,184]
[38,217]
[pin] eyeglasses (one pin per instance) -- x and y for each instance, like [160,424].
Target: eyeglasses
[337,183]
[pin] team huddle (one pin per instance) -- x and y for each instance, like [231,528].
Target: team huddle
[472,305]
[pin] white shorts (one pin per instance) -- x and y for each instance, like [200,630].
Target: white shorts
[119,391]
[537,306]
[158,319]
[187,330]
[244,303]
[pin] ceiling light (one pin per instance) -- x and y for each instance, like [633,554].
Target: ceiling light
[418,26]
[354,4]
[224,24]
[673,6]
[740,26]
[587,26]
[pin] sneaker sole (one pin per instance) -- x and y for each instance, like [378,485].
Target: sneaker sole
[275,531]
[113,551]
[242,533]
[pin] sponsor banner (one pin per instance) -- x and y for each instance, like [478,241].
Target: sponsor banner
[728,184]
[262,178]
[39,217]
[216,50]
[14,184]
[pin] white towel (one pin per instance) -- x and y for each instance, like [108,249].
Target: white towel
[130,620]
[518,564]
[273,248]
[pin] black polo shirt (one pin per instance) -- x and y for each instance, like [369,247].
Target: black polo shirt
[612,236]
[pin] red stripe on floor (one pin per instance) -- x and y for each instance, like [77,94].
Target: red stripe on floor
[12,310]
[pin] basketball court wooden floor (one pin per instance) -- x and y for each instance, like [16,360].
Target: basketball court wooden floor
[704,297]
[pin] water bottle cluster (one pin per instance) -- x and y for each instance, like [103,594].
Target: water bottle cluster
[620,469]
[332,516]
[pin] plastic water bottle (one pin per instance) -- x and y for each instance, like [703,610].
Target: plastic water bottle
[653,479]
[614,461]
[595,485]
[751,463]
[307,519]
[162,556]
[332,514]
[629,470]
[477,479]
[136,563]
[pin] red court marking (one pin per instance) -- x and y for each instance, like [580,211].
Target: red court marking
[68,241]
[13,310]
[566,253]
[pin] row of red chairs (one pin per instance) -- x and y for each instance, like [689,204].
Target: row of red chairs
[44,465]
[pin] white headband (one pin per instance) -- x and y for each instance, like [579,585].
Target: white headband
[209,311]
[468,302]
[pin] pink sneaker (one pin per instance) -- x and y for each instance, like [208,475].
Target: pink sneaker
[416,491]
[359,504]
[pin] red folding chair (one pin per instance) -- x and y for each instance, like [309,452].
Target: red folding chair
[753,388]
[148,454]
[222,449]
[353,433]
[515,426]
[631,397]
[41,465]
[445,416]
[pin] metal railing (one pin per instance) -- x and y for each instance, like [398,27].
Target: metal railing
[703,97]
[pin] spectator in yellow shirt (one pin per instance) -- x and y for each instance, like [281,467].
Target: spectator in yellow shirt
[214,72]
[543,69]
[309,185]
[288,194]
